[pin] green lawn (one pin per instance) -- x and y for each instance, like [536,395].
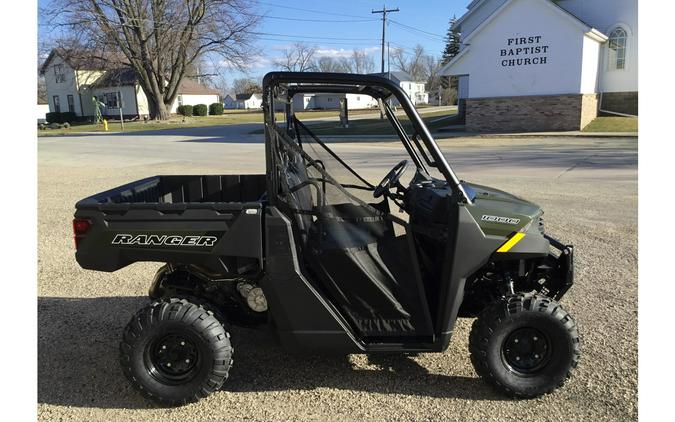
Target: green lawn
[613,124]
[230,117]
[374,126]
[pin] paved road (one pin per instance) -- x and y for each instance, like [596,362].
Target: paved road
[587,186]
[226,145]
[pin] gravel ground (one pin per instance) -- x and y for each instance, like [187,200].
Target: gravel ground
[588,188]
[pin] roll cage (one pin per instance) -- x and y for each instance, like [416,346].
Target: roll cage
[280,87]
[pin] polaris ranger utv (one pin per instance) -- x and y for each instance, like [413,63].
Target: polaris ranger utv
[313,250]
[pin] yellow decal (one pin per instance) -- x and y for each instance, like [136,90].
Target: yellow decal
[511,242]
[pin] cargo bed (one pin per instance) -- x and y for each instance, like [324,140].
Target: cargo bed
[213,221]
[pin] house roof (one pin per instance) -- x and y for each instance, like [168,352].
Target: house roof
[588,29]
[189,86]
[244,97]
[473,6]
[84,60]
[127,76]
[116,77]
[398,74]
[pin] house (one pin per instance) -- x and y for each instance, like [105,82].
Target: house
[75,81]
[324,101]
[230,102]
[414,89]
[538,65]
[249,101]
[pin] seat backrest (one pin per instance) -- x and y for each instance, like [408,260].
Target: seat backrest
[300,195]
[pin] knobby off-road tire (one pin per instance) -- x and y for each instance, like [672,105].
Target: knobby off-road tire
[526,345]
[175,352]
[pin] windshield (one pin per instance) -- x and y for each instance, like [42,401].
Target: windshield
[355,141]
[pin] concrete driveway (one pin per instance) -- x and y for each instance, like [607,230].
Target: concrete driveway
[587,187]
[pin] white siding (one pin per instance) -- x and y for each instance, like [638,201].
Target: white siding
[606,15]
[302,102]
[603,15]
[589,66]
[61,89]
[559,60]
[85,78]
[142,101]
[359,101]
[327,101]
[482,12]
[128,94]
[254,102]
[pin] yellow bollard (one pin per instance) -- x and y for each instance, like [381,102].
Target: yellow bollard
[105,125]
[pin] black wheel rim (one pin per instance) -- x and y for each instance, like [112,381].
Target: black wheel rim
[172,358]
[526,351]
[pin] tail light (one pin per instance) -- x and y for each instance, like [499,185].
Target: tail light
[80,228]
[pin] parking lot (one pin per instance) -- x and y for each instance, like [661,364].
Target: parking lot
[587,187]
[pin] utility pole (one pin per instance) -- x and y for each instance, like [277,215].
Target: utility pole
[384,12]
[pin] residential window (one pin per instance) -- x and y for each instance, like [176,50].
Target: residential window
[57,104]
[110,99]
[71,104]
[180,100]
[58,73]
[617,49]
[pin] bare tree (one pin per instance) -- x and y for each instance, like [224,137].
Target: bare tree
[246,86]
[298,58]
[160,39]
[411,63]
[330,64]
[41,90]
[432,67]
[362,62]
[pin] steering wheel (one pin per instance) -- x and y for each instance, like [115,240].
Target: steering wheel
[391,178]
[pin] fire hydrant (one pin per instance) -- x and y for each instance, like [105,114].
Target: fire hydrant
[105,125]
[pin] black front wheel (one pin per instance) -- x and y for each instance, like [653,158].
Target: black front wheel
[526,345]
[174,352]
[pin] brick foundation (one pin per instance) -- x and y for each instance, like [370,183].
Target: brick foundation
[538,113]
[461,110]
[620,102]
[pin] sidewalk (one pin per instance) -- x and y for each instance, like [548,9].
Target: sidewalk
[573,134]
[450,135]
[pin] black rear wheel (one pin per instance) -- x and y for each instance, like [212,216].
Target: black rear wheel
[526,345]
[174,352]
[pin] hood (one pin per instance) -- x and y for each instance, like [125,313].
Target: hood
[501,213]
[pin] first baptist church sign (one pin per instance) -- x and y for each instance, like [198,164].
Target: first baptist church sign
[524,46]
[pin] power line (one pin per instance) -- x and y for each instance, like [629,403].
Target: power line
[308,20]
[441,37]
[322,42]
[402,46]
[311,37]
[311,10]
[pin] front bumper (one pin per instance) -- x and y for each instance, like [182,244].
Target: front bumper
[562,276]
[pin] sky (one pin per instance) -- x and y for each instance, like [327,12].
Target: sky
[336,28]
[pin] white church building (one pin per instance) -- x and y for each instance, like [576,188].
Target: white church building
[540,65]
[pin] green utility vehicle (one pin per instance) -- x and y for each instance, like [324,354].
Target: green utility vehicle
[331,262]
